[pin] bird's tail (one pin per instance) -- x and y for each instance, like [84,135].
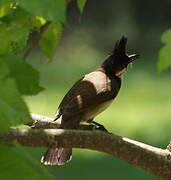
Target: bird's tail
[57,156]
[60,156]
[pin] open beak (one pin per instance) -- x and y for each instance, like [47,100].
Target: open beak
[133,57]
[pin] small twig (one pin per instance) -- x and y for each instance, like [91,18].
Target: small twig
[36,39]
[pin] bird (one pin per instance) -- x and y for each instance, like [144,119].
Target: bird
[89,96]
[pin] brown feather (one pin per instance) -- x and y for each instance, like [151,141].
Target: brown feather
[89,93]
[57,156]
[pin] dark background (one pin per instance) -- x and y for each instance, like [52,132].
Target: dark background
[142,109]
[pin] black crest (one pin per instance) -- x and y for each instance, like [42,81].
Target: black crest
[119,59]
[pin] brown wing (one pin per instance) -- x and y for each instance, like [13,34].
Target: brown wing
[93,89]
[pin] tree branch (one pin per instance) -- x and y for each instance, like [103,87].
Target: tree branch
[44,122]
[154,160]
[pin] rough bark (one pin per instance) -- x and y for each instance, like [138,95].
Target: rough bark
[154,160]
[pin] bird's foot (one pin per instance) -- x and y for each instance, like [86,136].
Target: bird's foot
[98,126]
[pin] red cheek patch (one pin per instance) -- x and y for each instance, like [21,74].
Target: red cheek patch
[118,70]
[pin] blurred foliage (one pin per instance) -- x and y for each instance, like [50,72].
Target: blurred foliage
[81,5]
[56,12]
[13,110]
[165,53]
[50,38]
[26,77]
[17,163]
[19,20]
[142,109]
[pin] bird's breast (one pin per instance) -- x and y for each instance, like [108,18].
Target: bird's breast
[92,112]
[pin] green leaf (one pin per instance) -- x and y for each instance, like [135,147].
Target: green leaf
[19,26]
[5,1]
[19,164]
[37,21]
[19,29]
[5,7]
[14,32]
[81,5]
[27,78]
[164,59]
[13,110]
[5,44]
[166,37]
[52,10]
[50,39]
[13,167]
[41,169]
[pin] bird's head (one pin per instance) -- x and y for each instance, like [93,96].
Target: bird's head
[119,60]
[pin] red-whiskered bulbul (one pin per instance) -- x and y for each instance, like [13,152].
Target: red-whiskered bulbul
[89,96]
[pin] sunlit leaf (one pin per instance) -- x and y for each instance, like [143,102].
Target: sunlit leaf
[50,39]
[37,21]
[52,10]
[5,8]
